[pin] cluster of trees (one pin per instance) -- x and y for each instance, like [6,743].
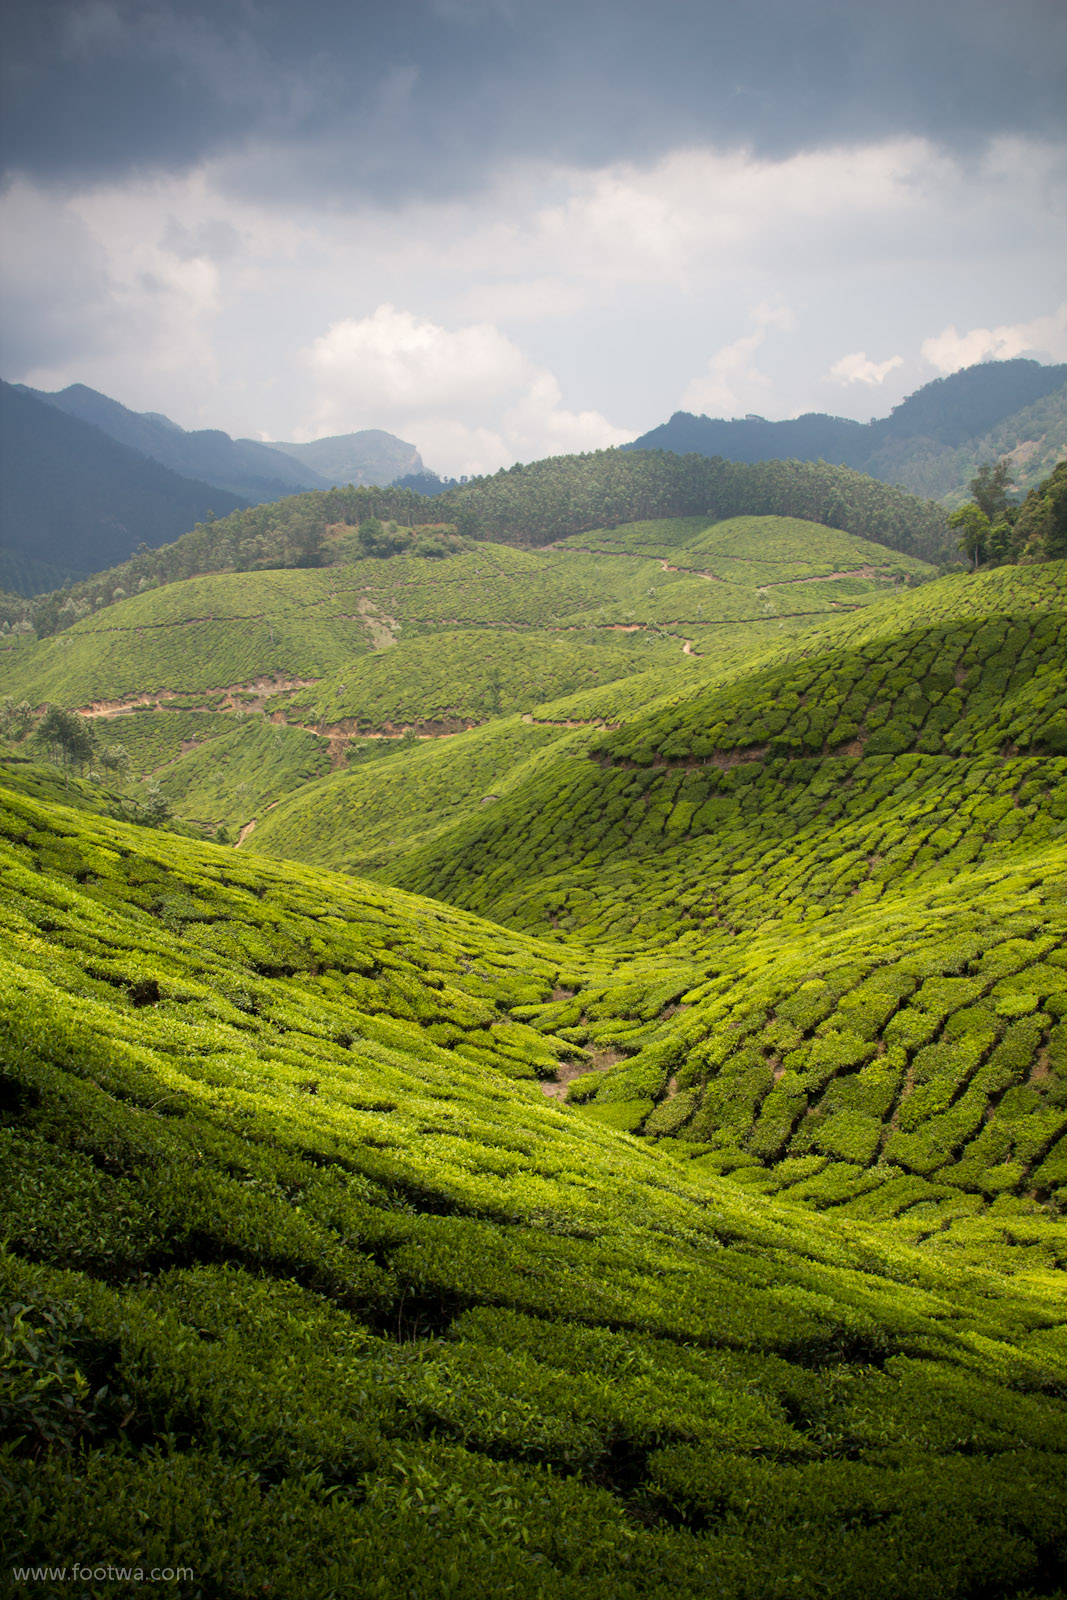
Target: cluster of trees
[73,743]
[994,531]
[564,495]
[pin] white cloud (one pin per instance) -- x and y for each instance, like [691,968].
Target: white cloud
[393,361]
[609,286]
[733,379]
[949,350]
[469,396]
[859,368]
[701,208]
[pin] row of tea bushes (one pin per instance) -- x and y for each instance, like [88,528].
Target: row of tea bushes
[295,1286]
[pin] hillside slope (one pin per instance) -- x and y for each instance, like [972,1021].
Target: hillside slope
[351,658]
[526,507]
[865,841]
[305,1273]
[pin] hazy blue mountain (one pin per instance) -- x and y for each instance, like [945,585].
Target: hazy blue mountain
[74,501]
[970,402]
[369,456]
[813,437]
[256,472]
[929,444]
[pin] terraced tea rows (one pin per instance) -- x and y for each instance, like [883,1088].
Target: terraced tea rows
[449,678]
[386,645]
[304,1273]
[686,833]
[698,1221]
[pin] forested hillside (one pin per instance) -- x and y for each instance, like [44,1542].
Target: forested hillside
[930,444]
[527,506]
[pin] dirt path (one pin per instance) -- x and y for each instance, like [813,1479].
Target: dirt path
[870,574]
[382,629]
[245,831]
[567,1071]
[692,572]
[251,696]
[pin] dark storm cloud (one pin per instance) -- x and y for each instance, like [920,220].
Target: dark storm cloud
[419,96]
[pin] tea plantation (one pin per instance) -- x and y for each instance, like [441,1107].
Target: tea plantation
[673,1205]
[310,1288]
[866,846]
[381,646]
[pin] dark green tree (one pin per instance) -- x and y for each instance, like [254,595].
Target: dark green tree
[305,537]
[70,738]
[972,524]
[1040,532]
[379,539]
[16,718]
[989,490]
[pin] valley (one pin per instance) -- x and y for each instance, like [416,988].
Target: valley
[573,1101]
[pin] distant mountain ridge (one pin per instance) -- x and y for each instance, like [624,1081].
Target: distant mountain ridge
[256,472]
[74,501]
[929,444]
[369,456]
[84,480]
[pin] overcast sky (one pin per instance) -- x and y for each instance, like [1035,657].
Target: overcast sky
[510,228]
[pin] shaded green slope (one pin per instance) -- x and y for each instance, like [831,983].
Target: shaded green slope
[198,636]
[398,797]
[304,1275]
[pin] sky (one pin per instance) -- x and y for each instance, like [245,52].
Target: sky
[504,230]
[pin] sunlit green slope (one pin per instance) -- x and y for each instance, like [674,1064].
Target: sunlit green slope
[307,1281]
[229,629]
[866,845]
[383,646]
[955,689]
